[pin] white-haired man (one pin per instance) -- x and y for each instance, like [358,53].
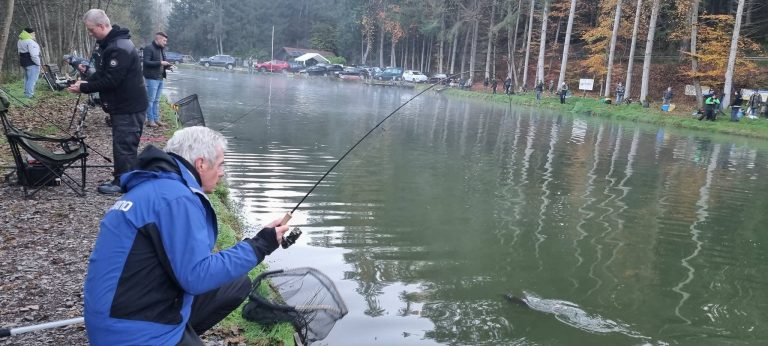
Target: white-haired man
[120,83]
[152,277]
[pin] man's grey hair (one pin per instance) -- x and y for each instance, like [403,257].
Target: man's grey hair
[196,142]
[96,16]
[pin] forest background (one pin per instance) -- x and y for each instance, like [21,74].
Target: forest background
[712,43]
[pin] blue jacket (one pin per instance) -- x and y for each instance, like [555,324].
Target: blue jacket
[153,254]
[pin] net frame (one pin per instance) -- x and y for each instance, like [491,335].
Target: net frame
[312,321]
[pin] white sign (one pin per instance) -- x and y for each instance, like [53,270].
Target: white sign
[586,84]
[690,91]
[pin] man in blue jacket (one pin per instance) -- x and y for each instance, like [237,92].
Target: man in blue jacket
[152,277]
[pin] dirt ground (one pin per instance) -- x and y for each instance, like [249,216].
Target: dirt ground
[45,241]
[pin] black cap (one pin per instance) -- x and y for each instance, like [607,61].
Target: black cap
[29,30]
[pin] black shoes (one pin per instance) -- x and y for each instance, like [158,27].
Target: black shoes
[109,188]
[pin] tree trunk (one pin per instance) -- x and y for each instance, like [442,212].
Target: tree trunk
[554,49]
[440,60]
[429,55]
[566,44]
[513,51]
[392,53]
[631,62]
[423,51]
[528,45]
[612,49]
[464,52]
[542,42]
[473,48]
[490,41]
[381,46]
[649,50]
[694,54]
[5,29]
[732,55]
[453,50]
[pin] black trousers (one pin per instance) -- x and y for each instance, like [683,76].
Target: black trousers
[562,96]
[211,307]
[126,134]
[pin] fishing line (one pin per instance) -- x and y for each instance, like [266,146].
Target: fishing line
[288,215]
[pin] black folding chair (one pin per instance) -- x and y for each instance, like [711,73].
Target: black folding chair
[188,112]
[54,78]
[46,167]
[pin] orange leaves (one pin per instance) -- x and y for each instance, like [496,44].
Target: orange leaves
[714,42]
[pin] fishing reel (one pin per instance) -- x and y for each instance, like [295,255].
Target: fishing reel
[290,238]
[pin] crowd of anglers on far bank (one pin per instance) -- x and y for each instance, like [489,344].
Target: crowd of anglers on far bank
[751,107]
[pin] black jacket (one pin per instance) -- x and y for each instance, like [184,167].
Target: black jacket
[153,55]
[118,77]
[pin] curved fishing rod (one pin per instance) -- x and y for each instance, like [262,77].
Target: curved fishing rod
[288,215]
[66,132]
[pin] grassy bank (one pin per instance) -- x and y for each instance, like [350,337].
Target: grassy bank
[756,128]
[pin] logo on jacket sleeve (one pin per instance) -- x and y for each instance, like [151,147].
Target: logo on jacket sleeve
[122,205]
[113,63]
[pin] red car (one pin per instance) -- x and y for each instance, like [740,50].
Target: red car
[271,66]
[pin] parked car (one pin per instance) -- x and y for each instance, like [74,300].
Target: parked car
[294,66]
[438,78]
[390,73]
[414,76]
[187,59]
[353,71]
[322,70]
[219,60]
[272,66]
[173,57]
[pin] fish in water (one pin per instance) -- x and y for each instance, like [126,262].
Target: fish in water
[572,315]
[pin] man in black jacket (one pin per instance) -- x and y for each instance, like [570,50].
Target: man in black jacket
[154,73]
[119,82]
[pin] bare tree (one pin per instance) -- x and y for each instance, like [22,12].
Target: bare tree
[567,44]
[694,53]
[512,51]
[732,54]
[488,62]
[528,44]
[5,28]
[542,42]
[631,62]
[649,51]
[612,49]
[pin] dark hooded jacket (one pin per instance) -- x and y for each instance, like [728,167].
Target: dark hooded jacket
[118,78]
[153,56]
[153,254]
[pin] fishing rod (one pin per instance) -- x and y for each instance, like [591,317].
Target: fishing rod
[288,215]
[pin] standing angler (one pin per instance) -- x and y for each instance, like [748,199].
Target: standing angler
[154,73]
[29,58]
[119,82]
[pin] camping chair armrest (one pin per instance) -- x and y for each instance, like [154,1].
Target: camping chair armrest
[34,137]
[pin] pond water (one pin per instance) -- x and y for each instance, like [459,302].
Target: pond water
[617,233]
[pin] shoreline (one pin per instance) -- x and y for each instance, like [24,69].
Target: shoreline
[576,105]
